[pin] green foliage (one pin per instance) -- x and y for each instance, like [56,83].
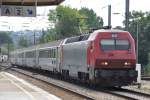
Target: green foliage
[65,19]
[141,20]
[50,36]
[42,38]
[67,24]
[92,20]
[147,69]
[71,22]
[11,46]
[23,42]
[7,46]
[6,42]
[5,38]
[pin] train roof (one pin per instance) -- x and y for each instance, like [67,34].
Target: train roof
[68,40]
[44,45]
[50,44]
[110,30]
[94,34]
[82,37]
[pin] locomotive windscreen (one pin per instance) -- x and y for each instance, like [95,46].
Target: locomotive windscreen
[114,44]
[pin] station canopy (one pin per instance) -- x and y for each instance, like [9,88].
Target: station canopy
[31,2]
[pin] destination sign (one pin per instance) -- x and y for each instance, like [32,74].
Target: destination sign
[22,11]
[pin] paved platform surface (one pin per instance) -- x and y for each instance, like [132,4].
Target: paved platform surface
[14,88]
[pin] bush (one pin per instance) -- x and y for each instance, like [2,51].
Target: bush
[147,69]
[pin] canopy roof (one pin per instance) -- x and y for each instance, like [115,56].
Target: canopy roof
[31,2]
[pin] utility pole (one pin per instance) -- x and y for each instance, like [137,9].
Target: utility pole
[78,20]
[127,16]
[109,15]
[34,37]
[8,50]
[43,34]
[137,40]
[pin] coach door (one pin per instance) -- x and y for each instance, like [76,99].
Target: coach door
[57,59]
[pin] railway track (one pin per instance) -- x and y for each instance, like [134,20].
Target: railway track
[123,93]
[145,78]
[130,94]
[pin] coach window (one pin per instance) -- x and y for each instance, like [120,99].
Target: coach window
[20,55]
[44,54]
[41,54]
[54,53]
[30,54]
[50,51]
[49,54]
[27,54]
[12,56]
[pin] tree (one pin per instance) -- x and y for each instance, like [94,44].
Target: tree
[23,42]
[141,20]
[70,22]
[6,42]
[92,20]
[5,38]
[42,38]
[51,35]
[66,21]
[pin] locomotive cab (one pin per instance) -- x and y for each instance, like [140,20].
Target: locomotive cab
[113,57]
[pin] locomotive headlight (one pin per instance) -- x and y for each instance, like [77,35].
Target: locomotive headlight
[104,63]
[127,63]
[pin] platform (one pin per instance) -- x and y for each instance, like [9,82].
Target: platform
[14,88]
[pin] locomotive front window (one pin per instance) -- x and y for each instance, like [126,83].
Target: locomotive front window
[107,44]
[122,45]
[114,44]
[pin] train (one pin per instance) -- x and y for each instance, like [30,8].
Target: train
[105,57]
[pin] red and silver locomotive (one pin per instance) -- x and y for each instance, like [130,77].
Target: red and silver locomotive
[105,57]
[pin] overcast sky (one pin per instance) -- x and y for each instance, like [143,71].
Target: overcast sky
[99,6]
